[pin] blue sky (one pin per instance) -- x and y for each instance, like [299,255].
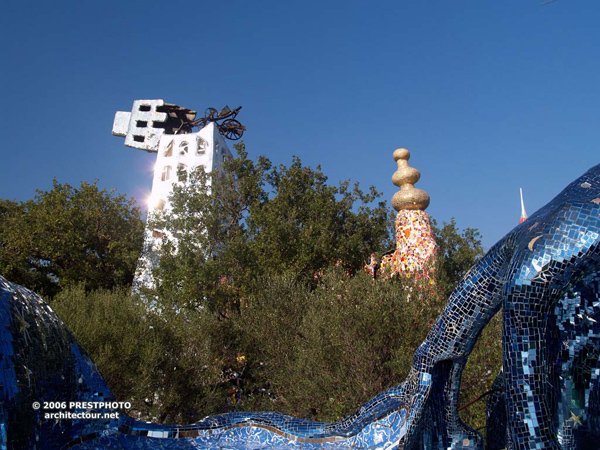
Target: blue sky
[488,96]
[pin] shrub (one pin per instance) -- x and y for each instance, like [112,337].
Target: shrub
[317,353]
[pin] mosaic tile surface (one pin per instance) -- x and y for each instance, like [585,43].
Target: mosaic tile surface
[544,275]
[572,350]
[415,246]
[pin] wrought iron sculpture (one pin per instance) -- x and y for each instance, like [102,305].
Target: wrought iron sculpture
[544,275]
[230,128]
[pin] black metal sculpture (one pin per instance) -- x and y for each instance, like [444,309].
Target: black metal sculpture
[230,128]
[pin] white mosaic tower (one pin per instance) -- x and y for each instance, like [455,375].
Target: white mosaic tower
[152,125]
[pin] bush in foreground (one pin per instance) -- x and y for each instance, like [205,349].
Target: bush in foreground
[317,353]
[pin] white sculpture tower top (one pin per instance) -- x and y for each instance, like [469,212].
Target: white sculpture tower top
[166,129]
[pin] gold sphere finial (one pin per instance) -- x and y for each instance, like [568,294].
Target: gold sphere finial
[408,197]
[401,153]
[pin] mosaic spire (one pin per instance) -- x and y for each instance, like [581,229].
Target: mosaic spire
[416,249]
[408,197]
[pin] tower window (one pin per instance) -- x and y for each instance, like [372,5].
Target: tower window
[181,172]
[202,145]
[166,173]
[169,149]
[184,148]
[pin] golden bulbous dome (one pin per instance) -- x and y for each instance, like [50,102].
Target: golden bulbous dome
[408,197]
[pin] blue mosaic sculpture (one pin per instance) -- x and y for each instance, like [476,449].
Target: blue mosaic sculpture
[545,275]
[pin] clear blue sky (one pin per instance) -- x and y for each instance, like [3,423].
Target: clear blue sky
[489,96]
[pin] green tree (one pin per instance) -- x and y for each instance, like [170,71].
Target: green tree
[458,252]
[164,364]
[70,235]
[327,350]
[316,352]
[250,240]
[257,233]
[254,219]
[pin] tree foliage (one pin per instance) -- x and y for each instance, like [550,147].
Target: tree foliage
[325,351]
[70,235]
[254,219]
[314,352]
[458,252]
[284,325]
[163,364]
